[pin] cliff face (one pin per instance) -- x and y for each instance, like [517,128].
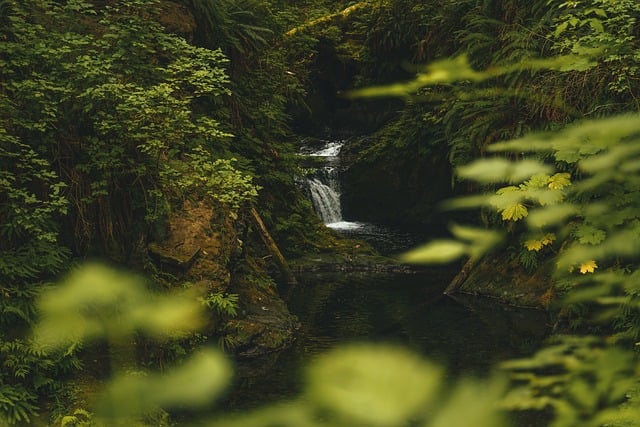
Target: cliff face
[203,246]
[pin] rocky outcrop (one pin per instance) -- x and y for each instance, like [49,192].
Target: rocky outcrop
[382,187]
[501,276]
[200,245]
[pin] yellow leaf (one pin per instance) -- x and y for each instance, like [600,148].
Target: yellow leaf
[515,212]
[537,244]
[533,245]
[588,267]
[559,181]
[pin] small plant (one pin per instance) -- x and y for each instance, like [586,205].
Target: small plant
[79,418]
[223,303]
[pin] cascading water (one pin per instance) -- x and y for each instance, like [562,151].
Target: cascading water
[326,201]
[323,189]
[324,186]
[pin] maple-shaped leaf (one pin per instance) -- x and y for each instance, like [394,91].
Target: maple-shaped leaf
[539,243]
[588,267]
[589,235]
[538,181]
[533,245]
[546,196]
[514,212]
[508,189]
[559,181]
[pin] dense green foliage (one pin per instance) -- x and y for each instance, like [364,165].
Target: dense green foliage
[109,122]
[467,116]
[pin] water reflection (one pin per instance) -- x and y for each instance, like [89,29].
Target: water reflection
[408,309]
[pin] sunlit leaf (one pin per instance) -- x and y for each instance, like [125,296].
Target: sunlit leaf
[373,385]
[538,181]
[515,212]
[480,240]
[611,159]
[588,267]
[194,384]
[545,196]
[438,251]
[472,234]
[589,235]
[551,215]
[472,404]
[97,301]
[486,170]
[559,180]
[498,169]
[505,197]
[540,242]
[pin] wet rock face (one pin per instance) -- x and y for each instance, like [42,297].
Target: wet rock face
[176,18]
[196,245]
[200,245]
[264,326]
[394,190]
[502,277]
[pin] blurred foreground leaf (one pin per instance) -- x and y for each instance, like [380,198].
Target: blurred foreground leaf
[473,242]
[99,302]
[376,386]
[194,384]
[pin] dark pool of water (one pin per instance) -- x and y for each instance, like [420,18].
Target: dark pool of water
[466,335]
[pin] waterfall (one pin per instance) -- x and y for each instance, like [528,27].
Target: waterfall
[323,185]
[326,201]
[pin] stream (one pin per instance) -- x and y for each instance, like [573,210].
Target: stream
[467,335]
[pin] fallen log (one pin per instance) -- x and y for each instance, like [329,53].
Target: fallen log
[271,246]
[459,278]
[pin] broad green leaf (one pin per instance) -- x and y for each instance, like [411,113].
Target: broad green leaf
[616,244]
[610,159]
[438,251]
[99,302]
[472,234]
[505,197]
[596,24]
[538,181]
[507,190]
[486,170]
[588,235]
[545,196]
[194,384]
[374,385]
[480,240]
[497,169]
[472,404]
[551,215]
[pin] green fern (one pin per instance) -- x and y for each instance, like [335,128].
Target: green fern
[223,303]
[17,405]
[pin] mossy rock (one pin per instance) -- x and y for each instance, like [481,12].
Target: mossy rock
[501,276]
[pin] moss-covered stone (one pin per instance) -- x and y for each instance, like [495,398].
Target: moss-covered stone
[264,324]
[501,276]
[223,264]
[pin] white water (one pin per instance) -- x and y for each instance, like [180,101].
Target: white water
[345,225]
[331,149]
[324,187]
[326,201]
